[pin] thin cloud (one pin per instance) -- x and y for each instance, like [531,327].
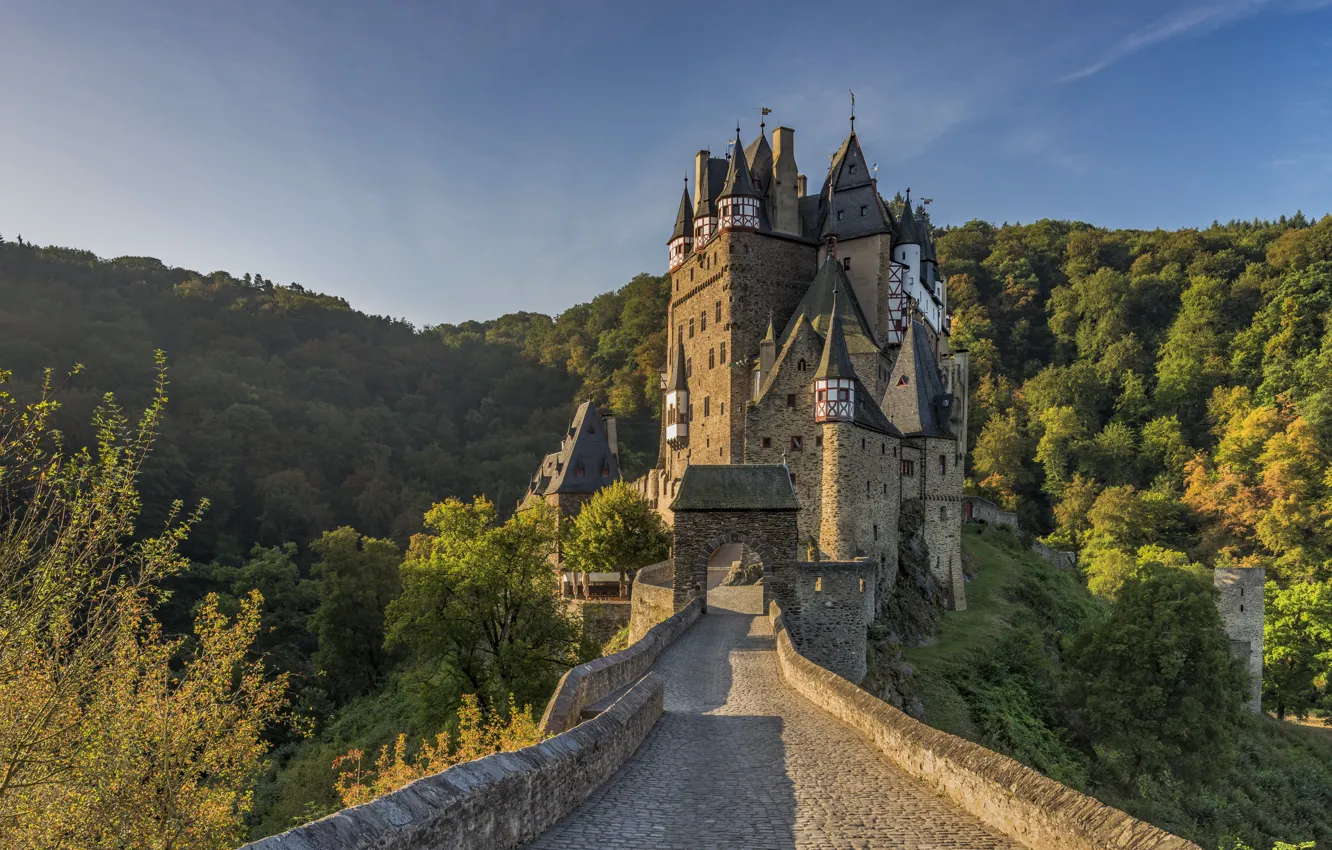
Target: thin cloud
[1195,20]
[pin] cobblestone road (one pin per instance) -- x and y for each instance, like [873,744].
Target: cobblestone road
[741,762]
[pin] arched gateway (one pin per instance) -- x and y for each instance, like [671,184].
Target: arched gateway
[721,510]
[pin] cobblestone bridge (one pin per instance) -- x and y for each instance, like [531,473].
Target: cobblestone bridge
[741,762]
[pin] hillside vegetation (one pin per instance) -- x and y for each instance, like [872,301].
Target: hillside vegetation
[999,676]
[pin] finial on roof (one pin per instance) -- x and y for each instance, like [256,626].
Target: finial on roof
[853,110]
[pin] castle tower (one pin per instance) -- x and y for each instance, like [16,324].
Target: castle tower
[738,203]
[906,248]
[677,401]
[835,388]
[705,205]
[681,243]
[1241,606]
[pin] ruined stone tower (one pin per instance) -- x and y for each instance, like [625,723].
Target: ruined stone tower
[1241,606]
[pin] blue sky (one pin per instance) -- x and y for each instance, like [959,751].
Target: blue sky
[441,161]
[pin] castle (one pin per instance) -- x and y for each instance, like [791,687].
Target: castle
[811,331]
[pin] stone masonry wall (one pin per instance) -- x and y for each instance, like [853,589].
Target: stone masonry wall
[498,802]
[653,599]
[770,534]
[1241,607]
[599,678]
[601,619]
[836,606]
[1035,810]
[983,510]
[940,473]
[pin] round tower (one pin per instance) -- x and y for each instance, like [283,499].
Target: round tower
[835,390]
[681,243]
[738,203]
[906,245]
[1241,606]
[677,401]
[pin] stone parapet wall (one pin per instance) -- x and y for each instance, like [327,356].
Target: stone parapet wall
[1037,811]
[745,599]
[597,679]
[601,618]
[977,509]
[1063,559]
[836,607]
[498,802]
[653,599]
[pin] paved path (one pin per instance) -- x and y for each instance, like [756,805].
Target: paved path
[741,762]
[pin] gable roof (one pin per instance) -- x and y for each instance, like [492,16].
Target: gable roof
[916,404]
[759,155]
[816,307]
[736,487]
[850,183]
[585,447]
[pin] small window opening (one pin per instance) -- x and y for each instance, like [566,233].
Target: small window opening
[797,444]
[818,584]
[846,264]
[767,442]
[790,399]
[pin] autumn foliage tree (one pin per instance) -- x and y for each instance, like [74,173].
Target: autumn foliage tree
[112,735]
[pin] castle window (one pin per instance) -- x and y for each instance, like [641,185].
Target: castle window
[767,442]
[1241,591]
[691,328]
[876,537]
[840,214]
[853,168]
[790,400]
[818,440]
[718,311]
[707,405]
[883,448]
[723,352]
[801,365]
[862,585]
[862,444]
[885,488]
[902,381]
[723,408]
[691,275]
[605,470]
[943,464]
[943,512]
[818,584]
[862,210]
[908,468]
[846,264]
[712,358]
[746,249]
[894,451]
[867,488]
[578,470]
[691,411]
[797,444]
[1241,609]
[792,474]
[703,322]
[689,367]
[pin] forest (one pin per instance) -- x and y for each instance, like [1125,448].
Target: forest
[1144,397]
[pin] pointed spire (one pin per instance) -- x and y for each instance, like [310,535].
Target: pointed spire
[684,219]
[707,205]
[771,335]
[677,379]
[836,362]
[738,181]
[908,232]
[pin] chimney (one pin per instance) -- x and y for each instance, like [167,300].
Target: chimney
[786,180]
[800,186]
[700,174]
[612,437]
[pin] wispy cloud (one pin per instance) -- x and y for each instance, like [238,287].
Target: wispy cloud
[1195,20]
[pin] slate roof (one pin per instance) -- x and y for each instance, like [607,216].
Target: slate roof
[678,380]
[585,447]
[711,188]
[738,181]
[736,487]
[816,307]
[759,156]
[684,219]
[916,405]
[908,233]
[835,363]
[850,182]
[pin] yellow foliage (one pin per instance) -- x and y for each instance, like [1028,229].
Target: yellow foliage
[478,737]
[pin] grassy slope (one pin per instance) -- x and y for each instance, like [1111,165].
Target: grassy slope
[1279,789]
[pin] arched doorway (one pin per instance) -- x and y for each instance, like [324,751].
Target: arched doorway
[735,578]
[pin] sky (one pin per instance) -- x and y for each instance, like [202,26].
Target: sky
[443,161]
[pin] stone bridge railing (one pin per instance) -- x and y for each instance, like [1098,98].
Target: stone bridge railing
[1035,810]
[498,802]
[599,678]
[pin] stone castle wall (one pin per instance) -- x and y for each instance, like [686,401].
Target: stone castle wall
[1037,811]
[983,510]
[498,802]
[653,599]
[835,600]
[769,534]
[940,474]
[1241,606]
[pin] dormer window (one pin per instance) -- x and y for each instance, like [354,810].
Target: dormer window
[902,381]
[840,215]
[605,470]
[578,470]
[862,210]
[846,264]
[853,168]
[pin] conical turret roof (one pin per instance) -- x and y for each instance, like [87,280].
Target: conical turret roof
[738,181]
[759,157]
[915,396]
[677,380]
[816,307]
[684,219]
[908,231]
[836,362]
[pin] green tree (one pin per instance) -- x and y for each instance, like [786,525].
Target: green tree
[616,531]
[1297,647]
[1153,688]
[358,579]
[479,608]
